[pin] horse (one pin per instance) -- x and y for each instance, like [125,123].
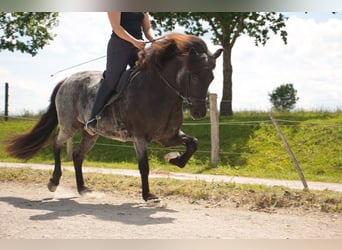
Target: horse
[172,70]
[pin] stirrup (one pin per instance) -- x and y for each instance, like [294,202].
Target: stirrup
[89,128]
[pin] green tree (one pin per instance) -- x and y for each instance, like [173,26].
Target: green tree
[26,31]
[284,97]
[225,28]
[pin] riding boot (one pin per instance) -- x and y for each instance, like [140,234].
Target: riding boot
[102,97]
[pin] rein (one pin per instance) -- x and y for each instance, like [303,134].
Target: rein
[185,97]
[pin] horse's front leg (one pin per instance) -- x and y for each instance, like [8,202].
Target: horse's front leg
[140,146]
[190,144]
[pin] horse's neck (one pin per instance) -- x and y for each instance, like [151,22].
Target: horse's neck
[171,72]
[174,66]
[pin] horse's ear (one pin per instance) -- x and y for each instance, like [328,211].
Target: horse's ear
[218,53]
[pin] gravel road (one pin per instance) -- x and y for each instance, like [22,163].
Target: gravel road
[32,212]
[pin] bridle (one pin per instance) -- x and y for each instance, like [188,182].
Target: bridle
[187,95]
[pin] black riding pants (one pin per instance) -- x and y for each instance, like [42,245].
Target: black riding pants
[120,53]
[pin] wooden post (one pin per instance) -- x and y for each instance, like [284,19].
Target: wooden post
[6,102]
[214,121]
[289,150]
[69,149]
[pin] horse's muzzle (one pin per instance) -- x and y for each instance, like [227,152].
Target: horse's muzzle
[198,112]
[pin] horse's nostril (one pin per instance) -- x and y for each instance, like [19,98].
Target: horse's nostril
[196,115]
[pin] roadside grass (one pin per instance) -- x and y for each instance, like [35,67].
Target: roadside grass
[209,194]
[249,146]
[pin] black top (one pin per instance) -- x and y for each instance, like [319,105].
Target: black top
[131,22]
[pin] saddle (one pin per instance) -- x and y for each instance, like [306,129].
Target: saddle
[125,78]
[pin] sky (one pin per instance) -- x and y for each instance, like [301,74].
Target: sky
[311,61]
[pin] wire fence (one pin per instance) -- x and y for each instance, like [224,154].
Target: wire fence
[255,123]
[282,122]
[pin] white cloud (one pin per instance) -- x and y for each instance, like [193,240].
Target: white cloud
[80,37]
[81,32]
[311,61]
[24,94]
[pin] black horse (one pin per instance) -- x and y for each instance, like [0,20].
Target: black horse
[176,68]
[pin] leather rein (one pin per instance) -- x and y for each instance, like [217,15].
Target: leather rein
[186,96]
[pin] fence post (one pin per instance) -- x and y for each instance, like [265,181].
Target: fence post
[6,102]
[289,150]
[69,145]
[214,121]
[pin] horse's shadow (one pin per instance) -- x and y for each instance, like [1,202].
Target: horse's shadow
[127,213]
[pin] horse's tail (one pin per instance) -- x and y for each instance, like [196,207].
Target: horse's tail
[25,146]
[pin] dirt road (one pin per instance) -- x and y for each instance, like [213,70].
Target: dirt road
[32,212]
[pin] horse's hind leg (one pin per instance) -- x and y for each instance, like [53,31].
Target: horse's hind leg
[58,143]
[86,143]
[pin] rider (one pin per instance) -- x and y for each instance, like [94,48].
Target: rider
[126,40]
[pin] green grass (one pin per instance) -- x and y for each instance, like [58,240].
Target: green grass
[249,146]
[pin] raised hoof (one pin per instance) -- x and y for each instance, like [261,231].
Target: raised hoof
[170,156]
[84,191]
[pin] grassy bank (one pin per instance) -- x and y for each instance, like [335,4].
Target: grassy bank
[249,146]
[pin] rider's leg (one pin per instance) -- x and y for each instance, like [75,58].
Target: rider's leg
[119,55]
[101,98]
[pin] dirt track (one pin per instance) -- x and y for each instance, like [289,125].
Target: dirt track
[33,212]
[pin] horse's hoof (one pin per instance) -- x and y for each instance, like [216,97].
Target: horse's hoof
[153,201]
[170,156]
[51,186]
[151,198]
[84,191]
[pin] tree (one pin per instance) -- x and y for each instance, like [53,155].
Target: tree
[284,97]
[225,28]
[26,31]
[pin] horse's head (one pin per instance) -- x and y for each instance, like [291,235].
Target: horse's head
[200,66]
[194,64]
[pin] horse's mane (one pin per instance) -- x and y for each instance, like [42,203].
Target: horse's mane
[167,48]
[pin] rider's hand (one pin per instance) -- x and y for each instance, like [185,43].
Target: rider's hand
[140,44]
